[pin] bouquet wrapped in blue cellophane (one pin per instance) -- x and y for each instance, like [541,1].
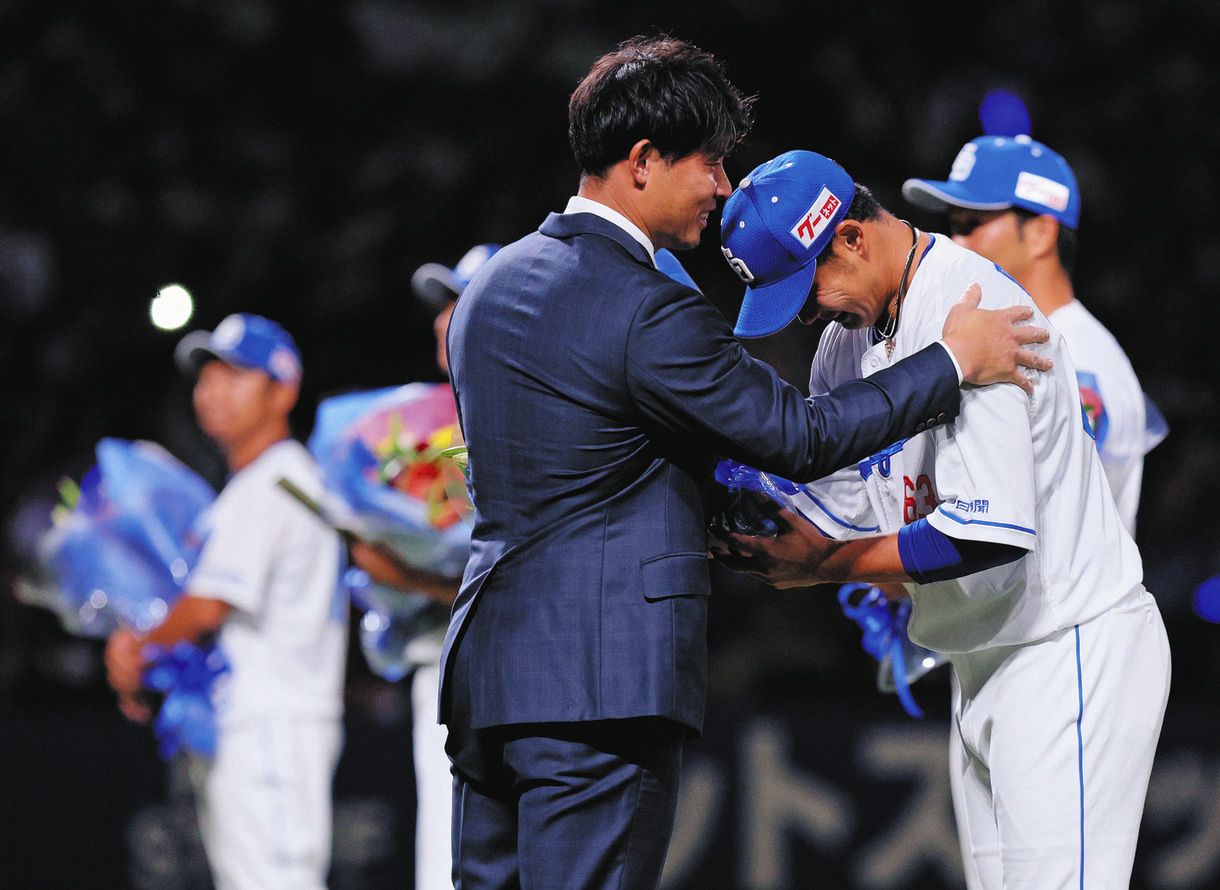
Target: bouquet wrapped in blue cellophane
[838,507]
[383,459]
[118,552]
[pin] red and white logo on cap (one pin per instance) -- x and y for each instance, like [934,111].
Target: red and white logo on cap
[816,218]
[1040,190]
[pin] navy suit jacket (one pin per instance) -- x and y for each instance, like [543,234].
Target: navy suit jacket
[594,393]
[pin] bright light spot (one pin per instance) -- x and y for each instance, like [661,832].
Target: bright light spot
[172,307]
[97,599]
[929,662]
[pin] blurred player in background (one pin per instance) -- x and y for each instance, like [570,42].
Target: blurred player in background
[437,287]
[1011,548]
[1016,202]
[268,584]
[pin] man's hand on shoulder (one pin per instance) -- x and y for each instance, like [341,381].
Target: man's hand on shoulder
[990,345]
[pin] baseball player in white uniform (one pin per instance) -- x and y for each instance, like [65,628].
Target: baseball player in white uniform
[267,582]
[1016,202]
[437,287]
[1010,544]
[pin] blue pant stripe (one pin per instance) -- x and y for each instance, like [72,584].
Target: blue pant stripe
[1080,748]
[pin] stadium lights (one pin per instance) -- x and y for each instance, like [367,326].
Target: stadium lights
[172,307]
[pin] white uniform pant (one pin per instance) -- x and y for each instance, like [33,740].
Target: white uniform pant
[265,803]
[1052,748]
[433,785]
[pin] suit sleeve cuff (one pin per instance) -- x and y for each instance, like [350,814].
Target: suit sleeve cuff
[952,358]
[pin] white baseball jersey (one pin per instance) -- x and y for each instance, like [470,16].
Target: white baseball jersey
[265,799]
[1115,402]
[280,567]
[1010,469]
[1052,741]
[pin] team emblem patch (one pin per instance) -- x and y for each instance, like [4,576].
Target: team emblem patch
[815,220]
[1093,406]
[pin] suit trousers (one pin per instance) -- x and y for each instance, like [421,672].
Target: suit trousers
[570,806]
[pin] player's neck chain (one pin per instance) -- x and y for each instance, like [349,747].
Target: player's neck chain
[894,309]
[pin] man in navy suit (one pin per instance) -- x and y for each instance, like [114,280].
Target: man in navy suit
[594,393]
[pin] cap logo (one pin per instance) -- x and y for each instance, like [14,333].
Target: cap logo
[1040,190]
[963,164]
[284,365]
[738,265]
[815,219]
[229,332]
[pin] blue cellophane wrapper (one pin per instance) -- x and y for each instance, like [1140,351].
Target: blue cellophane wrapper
[186,718]
[883,624]
[120,558]
[349,441]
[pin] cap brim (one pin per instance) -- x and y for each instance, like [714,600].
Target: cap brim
[193,352]
[767,310]
[434,286]
[940,196]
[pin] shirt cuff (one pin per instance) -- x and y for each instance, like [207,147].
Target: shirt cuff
[953,358]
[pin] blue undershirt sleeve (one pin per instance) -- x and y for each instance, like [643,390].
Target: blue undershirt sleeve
[930,555]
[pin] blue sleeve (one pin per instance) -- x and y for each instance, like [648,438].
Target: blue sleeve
[928,554]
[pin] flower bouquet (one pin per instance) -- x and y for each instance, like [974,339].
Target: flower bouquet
[118,552]
[839,506]
[387,459]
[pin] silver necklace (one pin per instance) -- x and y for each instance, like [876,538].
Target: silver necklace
[895,307]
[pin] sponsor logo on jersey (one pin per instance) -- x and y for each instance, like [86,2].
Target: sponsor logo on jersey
[816,218]
[977,505]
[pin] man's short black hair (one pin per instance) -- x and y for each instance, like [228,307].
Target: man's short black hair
[657,88]
[864,206]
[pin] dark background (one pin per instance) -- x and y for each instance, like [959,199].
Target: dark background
[301,159]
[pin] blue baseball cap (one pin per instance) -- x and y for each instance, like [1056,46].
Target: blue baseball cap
[436,284]
[774,225]
[246,341]
[999,172]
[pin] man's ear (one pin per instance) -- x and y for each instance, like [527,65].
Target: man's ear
[1041,233]
[851,235]
[639,158]
[285,396]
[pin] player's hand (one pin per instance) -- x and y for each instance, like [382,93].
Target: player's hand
[135,708]
[990,344]
[124,663]
[789,559]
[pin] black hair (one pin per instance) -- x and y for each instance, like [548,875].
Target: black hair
[657,88]
[864,206]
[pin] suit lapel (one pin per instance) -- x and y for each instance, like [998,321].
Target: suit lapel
[566,225]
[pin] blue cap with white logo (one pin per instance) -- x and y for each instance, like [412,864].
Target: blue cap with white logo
[774,225]
[246,341]
[436,284]
[999,172]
